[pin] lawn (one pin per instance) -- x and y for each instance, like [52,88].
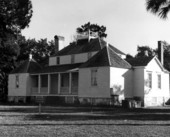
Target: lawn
[84,122]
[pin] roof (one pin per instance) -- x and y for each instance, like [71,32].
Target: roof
[140,61]
[116,50]
[27,66]
[58,68]
[83,46]
[106,57]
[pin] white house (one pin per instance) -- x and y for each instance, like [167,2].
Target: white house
[90,71]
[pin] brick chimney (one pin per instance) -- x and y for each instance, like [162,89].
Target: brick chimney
[161,52]
[59,43]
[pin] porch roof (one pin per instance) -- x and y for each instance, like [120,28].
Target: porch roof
[58,68]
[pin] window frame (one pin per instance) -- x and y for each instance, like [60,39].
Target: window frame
[159,79]
[94,77]
[89,55]
[149,85]
[72,58]
[58,60]
[17,81]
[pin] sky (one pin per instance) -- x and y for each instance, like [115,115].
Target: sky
[128,23]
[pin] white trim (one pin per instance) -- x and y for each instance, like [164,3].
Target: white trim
[39,83]
[59,83]
[49,83]
[70,78]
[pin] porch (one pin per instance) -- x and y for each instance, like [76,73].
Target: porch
[54,84]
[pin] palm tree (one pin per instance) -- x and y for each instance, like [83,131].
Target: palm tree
[158,7]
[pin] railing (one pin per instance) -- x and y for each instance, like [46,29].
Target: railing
[64,90]
[74,90]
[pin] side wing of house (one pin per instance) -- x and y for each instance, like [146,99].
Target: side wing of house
[17,85]
[156,87]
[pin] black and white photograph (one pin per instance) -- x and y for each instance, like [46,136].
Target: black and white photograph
[84,68]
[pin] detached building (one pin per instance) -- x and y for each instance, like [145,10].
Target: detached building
[90,71]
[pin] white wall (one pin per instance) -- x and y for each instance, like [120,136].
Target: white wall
[52,61]
[156,96]
[21,90]
[138,82]
[66,59]
[102,90]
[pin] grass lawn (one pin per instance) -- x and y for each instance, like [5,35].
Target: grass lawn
[82,122]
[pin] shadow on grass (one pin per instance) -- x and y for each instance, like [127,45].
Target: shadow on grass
[93,116]
[84,124]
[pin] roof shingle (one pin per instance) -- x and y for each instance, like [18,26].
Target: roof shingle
[27,66]
[106,57]
[140,61]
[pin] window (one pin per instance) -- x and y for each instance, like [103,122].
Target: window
[72,59]
[94,77]
[159,81]
[17,81]
[149,84]
[44,80]
[89,55]
[58,60]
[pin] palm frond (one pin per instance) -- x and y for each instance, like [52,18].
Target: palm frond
[154,5]
[164,11]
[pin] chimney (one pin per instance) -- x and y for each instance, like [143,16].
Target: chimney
[161,52]
[59,43]
[146,53]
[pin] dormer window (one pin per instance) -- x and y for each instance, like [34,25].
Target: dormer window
[72,59]
[89,55]
[58,60]
[17,81]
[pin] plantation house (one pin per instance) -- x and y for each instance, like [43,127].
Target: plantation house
[90,71]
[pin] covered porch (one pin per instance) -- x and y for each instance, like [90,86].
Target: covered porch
[65,83]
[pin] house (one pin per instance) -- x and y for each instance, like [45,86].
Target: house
[150,79]
[88,71]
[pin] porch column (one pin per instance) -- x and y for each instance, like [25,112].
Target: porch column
[49,83]
[59,83]
[39,83]
[70,77]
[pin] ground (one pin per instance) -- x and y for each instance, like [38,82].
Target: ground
[19,121]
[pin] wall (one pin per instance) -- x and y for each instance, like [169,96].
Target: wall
[102,90]
[117,81]
[66,59]
[138,82]
[52,61]
[21,90]
[128,83]
[156,96]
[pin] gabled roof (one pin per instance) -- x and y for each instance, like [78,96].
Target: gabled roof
[106,57]
[140,61]
[83,46]
[27,66]
[58,68]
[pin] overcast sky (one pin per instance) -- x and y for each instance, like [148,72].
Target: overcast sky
[127,21]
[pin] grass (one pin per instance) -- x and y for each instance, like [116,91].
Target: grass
[84,122]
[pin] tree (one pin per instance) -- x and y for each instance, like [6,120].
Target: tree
[93,28]
[144,51]
[152,52]
[40,50]
[15,15]
[158,7]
